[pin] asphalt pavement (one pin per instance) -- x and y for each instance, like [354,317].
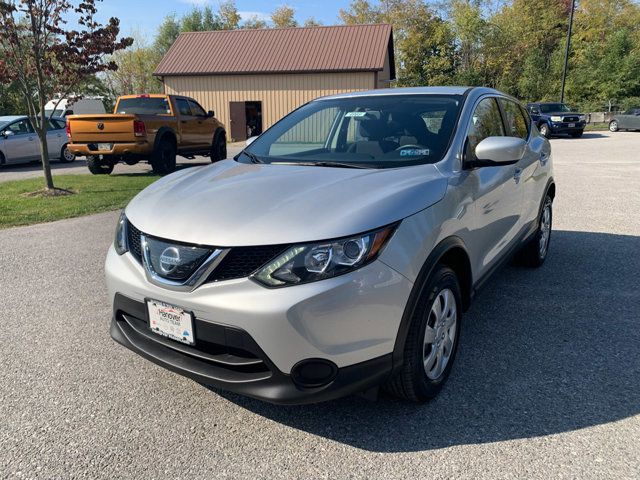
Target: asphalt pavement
[79,166]
[546,384]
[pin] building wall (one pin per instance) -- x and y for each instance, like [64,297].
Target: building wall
[279,93]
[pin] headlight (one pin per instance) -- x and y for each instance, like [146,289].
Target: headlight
[582,118]
[120,241]
[556,119]
[311,262]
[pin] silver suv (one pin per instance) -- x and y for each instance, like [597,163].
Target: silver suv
[337,252]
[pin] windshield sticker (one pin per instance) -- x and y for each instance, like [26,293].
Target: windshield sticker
[356,114]
[415,152]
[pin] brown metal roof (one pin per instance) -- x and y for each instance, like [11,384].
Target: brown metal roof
[344,48]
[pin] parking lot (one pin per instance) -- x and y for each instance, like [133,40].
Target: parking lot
[546,384]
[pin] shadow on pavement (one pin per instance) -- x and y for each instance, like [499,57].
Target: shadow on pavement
[542,351]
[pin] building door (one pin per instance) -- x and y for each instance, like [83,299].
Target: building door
[238,117]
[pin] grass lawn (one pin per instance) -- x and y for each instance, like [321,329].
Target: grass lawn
[596,127]
[94,193]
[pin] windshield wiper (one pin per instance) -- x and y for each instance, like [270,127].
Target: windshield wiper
[326,164]
[252,156]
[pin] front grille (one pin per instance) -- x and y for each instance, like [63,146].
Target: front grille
[133,240]
[570,119]
[241,262]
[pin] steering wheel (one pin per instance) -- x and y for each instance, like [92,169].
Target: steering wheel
[413,145]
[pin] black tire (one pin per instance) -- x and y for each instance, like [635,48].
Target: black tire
[412,382]
[65,155]
[533,254]
[577,134]
[99,166]
[219,147]
[545,131]
[613,126]
[2,160]
[163,158]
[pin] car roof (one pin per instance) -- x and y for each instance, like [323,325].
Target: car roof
[403,91]
[11,118]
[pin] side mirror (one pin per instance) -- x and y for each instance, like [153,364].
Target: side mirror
[496,151]
[211,114]
[7,133]
[249,141]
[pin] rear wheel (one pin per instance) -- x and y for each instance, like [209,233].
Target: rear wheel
[613,126]
[163,159]
[534,253]
[432,341]
[545,131]
[99,166]
[219,147]
[2,160]
[66,156]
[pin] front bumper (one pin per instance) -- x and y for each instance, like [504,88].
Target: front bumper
[351,321]
[561,127]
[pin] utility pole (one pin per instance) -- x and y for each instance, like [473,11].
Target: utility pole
[566,53]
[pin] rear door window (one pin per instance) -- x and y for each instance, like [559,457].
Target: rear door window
[183,107]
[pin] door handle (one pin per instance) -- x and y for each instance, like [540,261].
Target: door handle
[516,175]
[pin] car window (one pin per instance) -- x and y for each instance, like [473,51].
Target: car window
[183,106]
[144,106]
[486,121]
[55,125]
[196,109]
[372,131]
[514,120]
[23,127]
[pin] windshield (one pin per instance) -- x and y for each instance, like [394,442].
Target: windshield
[144,106]
[56,113]
[554,107]
[371,132]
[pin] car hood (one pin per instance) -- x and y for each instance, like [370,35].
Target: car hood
[231,204]
[563,114]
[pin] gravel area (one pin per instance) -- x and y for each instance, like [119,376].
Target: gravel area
[546,384]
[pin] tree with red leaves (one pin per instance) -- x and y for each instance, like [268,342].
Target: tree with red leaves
[45,57]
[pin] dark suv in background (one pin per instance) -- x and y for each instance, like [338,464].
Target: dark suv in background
[557,119]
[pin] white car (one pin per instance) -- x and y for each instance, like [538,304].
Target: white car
[19,141]
[83,106]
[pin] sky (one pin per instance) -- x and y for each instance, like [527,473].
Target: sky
[142,17]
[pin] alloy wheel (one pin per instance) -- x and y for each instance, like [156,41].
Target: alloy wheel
[545,231]
[440,334]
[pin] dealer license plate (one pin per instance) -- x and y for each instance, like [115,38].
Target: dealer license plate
[571,125]
[105,146]
[171,321]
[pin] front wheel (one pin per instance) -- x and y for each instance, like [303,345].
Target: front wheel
[66,156]
[545,131]
[99,166]
[613,126]
[534,253]
[432,341]
[219,147]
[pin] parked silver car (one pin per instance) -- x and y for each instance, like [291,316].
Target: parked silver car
[629,120]
[19,142]
[339,250]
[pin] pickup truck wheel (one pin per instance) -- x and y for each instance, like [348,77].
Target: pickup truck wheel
[545,131]
[219,147]
[163,159]
[99,166]
[534,253]
[432,341]
[66,156]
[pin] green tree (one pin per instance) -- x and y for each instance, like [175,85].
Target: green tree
[228,15]
[312,22]
[254,22]
[167,33]
[360,12]
[284,17]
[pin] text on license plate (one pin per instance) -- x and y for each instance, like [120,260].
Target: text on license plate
[571,125]
[105,146]
[170,321]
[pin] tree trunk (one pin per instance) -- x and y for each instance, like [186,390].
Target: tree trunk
[44,148]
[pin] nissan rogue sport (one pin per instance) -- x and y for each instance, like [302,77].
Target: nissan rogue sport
[338,251]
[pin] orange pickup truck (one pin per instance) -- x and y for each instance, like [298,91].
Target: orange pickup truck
[153,128]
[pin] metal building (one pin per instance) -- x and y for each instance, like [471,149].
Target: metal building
[252,78]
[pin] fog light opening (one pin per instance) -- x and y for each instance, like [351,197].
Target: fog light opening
[313,373]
